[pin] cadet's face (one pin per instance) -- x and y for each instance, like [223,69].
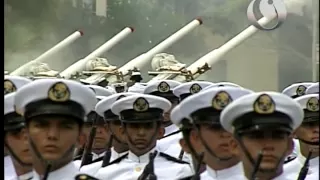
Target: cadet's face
[309,132]
[142,135]
[18,142]
[217,139]
[54,136]
[102,137]
[273,144]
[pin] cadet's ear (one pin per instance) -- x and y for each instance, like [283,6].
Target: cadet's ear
[82,139]
[194,136]
[161,132]
[290,146]
[234,147]
[122,133]
[184,146]
[294,134]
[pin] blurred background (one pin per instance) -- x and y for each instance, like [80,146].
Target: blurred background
[270,60]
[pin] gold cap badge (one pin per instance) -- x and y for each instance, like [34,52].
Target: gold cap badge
[59,92]
[163,87]
[9,87]
[264,105]
[140,105]
[195,88]
[221,100]
[313,104]
[301,90]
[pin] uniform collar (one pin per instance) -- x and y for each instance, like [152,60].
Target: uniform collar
[95,156]
[115,154]
[170,129]
[224,173]
[67,171]
[140,159]
[313,163]
[26,176]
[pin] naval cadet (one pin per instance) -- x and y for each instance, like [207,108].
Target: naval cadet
[12,84]
[94,121]
[183,91]
[164,89]
[313,89]
[54,112]
[16,141]
[262,124]
[118,147]
[295,90]
[308,136]
[203,109]
[141,116]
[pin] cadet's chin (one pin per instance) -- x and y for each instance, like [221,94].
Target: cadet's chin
[51,156]
[140,146]
[267,167]
[27,159]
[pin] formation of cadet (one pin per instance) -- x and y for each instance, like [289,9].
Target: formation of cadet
[58,129]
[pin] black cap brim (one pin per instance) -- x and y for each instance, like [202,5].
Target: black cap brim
[266,127]
[15,126]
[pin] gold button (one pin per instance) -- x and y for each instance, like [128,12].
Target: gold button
[138,169]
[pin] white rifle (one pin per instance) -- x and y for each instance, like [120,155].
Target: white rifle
[123,73]
[79,66]
[204,63]
[58,47]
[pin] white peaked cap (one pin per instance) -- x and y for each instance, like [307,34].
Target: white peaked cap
[215,98]
[161,86]
[309,102]
[274,101]
[100,91]
[9,103]
[111,88]
[313,89]
[106,103]
[223,84]
[297,89]
[129,103]
[176,116]
[190,87]
[137,88]
[13,83]
[56,90]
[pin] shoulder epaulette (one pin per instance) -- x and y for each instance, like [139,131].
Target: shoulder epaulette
[289,159]
[170,158]
[173,133]
[118,159]
[77,157]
